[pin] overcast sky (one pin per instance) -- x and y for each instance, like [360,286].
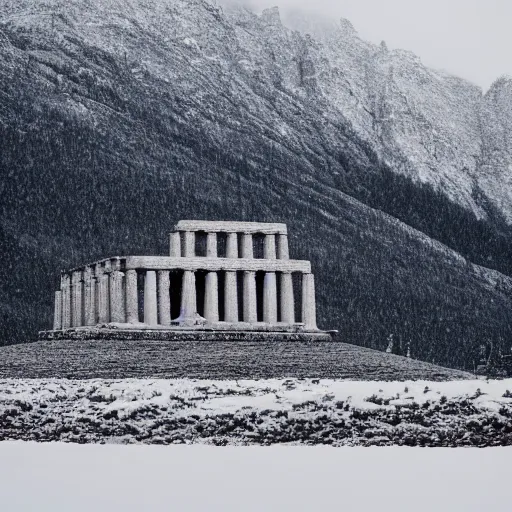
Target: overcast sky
[469,38]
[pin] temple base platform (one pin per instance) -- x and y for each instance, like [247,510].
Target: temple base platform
[113,332]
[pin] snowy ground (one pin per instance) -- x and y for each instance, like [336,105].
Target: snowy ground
[61,477]
[308,411]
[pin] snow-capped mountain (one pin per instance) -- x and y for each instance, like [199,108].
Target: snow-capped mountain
[430,125]
[119,117]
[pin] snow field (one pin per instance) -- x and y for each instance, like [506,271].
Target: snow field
[61,477]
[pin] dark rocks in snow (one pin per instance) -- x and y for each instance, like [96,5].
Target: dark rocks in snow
[263,412]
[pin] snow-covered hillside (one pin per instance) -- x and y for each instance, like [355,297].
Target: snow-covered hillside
[308,411]
[430,125]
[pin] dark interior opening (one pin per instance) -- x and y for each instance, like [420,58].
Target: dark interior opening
[140,295]
[182,243]
[221,244]
[239,243]
[240,289]
[278,298]
[200,288]
[258,243]
[297,295]
[260,276]
[176,279]
[200,243]
[221,277]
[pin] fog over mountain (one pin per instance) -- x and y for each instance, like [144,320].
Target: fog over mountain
[467,38]
[120,117]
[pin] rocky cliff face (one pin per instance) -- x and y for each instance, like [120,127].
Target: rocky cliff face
[119,117]
[429,125]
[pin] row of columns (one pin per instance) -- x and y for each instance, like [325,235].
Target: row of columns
[90,296]
[249,313]
[105,294]
[271,250]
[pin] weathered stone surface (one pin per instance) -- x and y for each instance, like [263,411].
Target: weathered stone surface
[175,245]
[150,299]
[308,301]
[229,333]
[270,298]
[57,315]
[230,264]
[231,227]
[190,244]
[188,309]
[250,304]
[230,297]
[211,245]
[132,306]
[211,297]
[164,301]
[287,302]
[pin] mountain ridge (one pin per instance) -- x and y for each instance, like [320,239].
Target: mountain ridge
[119,118]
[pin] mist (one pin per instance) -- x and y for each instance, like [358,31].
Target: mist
[468,38]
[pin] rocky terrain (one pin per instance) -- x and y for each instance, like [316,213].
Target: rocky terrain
[119,117]
[217,359]
[298,411]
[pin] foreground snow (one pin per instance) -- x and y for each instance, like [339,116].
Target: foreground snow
[63,477]
[459,413]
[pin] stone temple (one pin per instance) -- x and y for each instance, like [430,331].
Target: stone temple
[222,280]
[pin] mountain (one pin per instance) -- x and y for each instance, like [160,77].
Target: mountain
[120,117]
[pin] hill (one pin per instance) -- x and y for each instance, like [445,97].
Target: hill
[215,360]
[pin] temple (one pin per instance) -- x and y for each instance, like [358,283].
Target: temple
[222,280]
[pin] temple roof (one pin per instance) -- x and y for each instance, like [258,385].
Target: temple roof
[231,227]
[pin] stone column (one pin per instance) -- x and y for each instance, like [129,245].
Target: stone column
[283,252]
[230,282]
[76,299]
[211,245]
[164,298]
[270,247]
[247,247]
[232,246]
[211,297]
[57,315]
[150,300]
[188,309]
[175,245]
[230,298]
[190,244]
[117,309]
[132,300]
[103,293]
[270,298]
[250,311]
[308,301]
[287,303]
[89,297]
[66,301]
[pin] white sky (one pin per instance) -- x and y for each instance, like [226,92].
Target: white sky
[469,38]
